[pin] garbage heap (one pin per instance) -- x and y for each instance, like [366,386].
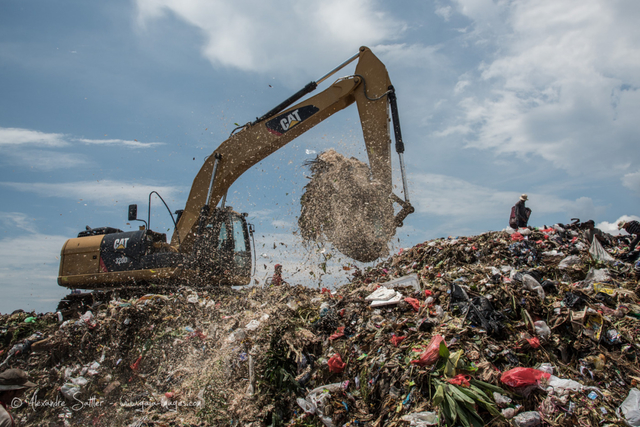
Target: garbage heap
[498,329]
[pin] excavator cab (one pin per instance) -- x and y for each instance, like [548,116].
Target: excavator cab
[222,250]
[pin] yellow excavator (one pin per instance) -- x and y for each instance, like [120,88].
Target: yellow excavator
[211,242]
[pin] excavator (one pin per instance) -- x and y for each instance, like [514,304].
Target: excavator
[210,244]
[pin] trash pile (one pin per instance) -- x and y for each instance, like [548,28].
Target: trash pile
[343,205]
[521,328]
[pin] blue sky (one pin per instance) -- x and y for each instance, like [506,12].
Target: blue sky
[103,102]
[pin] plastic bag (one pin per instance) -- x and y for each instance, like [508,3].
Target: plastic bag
[542,329]
[421,419]
[69,390]
[569,261]
[336,365]
[517,237]
[431,354]
[532,284]
[414,303]
[381,294]
[527,419]
[523,377]
[630,408]
[396,340]
[461,380]
[598,253]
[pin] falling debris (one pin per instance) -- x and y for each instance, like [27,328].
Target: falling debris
[344,206]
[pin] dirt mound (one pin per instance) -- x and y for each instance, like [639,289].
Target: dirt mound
[344,206]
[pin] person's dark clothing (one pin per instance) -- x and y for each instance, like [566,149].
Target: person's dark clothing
[633,227]
[521,214]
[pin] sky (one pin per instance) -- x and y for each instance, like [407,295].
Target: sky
[104,102]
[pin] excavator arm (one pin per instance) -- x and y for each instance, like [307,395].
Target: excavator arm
[370,88]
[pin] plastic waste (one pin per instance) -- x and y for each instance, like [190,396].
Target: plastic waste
[432,352]
[408,280]
[569,261]
[420,419]
[527,419]
[561,386]
[315,401]
[88,320]
[525,231]
[414,303]
[336,365]
[69,391]
[542,330]
[546,367]
[253,325]
[381,294]
[523,377]
[509,413]
[395,299]
[598,253]
[501,400]
[629,410]
[532,284]
[324,309]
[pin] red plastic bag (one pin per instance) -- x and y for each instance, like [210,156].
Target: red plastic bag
[336,365]
[339,333]
[533,342]
[427,293]
[136,364]
[523,377]
[517,237]
[461,380]
[396,340]
[431,354]
[414,303]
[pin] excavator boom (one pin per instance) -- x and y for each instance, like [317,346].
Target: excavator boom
[370,88]
[212,244]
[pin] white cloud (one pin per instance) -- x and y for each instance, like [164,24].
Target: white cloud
[126,143]
[102,193]
[460,86]
[18,220]
[16,136]
[563,84]
[632,181]
[46,160]
[444,12]
[460,200]
[283,35]
[612,227]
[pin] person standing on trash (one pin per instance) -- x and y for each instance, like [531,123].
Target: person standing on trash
[591,233]
[276,280]
[631,227]
[522,212]
[13,383]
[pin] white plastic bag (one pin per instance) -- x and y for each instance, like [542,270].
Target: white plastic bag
[532,284]
[542,330]
[630,408]
[381,294]
[528,419]
[422,419]
[598,253]
[569,261]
